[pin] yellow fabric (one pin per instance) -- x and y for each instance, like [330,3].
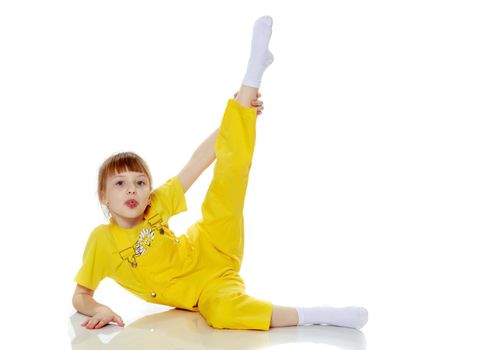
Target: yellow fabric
[198,270]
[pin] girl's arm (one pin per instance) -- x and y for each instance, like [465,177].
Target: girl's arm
[100,315]
[204,155]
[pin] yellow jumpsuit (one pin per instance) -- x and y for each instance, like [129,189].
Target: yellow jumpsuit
[199,270]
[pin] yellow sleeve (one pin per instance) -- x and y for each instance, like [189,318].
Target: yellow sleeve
[169,198]
[95,262]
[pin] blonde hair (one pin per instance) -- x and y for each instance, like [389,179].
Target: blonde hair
[119,163]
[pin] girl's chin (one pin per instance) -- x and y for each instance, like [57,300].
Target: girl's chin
[130,214]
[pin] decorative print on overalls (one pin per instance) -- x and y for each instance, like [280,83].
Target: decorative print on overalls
[144,241]
[145,238]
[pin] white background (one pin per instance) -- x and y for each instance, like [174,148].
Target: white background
[370,179]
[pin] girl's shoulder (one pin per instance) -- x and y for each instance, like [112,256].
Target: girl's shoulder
[100,233]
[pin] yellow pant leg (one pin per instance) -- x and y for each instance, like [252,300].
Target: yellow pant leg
[224,304]
[222,209]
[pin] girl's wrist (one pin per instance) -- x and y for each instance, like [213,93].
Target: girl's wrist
[102,308]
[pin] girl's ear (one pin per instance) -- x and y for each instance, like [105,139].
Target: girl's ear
[103,200]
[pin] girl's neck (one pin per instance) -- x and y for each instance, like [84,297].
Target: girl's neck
[127,223]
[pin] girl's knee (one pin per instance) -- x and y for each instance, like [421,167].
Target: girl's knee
[237,312]
[237,169]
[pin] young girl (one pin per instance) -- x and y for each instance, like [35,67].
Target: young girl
[199,270]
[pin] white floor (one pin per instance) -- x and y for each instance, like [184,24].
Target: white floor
[179,329]
[404,321]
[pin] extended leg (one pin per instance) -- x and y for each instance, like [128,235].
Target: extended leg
[284,316]
[224,304]
[350,316]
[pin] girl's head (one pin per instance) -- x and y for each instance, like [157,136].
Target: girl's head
[124,187]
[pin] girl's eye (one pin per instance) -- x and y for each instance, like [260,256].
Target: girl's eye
[141,183]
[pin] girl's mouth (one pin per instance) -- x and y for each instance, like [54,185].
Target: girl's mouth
[131,203]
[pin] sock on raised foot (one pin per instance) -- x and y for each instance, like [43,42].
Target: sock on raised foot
[260,56]
[349,316]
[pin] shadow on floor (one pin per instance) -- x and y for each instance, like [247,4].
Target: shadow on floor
[181,329]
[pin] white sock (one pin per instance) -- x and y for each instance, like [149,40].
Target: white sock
[260,56]
[349,316]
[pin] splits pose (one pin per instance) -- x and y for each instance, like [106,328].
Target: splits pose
[200,270]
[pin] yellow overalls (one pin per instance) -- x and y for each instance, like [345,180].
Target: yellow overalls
[199,270]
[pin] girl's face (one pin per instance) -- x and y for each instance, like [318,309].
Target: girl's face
[127,195]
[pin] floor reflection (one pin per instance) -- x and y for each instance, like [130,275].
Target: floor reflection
[181,329]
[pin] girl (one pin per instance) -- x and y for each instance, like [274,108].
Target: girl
[199,270]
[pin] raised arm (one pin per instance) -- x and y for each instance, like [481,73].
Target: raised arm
[204,155]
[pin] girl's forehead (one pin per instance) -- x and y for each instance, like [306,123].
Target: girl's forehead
[127,174]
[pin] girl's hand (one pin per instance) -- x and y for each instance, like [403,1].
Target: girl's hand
[256,103]
[103,316]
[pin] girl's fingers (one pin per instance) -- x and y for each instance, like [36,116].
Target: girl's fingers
[96,323]
[118,320]
[100,324]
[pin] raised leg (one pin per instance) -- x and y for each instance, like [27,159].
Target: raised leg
[245,95]
[222,210]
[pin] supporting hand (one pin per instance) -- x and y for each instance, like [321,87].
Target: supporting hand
[103,316]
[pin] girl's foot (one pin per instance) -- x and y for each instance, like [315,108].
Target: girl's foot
[350,316]
[260,56]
